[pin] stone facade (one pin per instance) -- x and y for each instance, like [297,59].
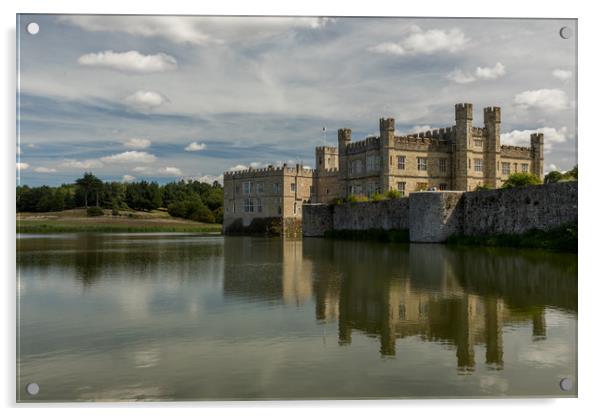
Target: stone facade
[272,192]
[433,217]
[460,157]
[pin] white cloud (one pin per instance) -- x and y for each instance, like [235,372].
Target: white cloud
[195,147]
[550,168]
[551,136]
[207,178]
[132,61]
[145,100]
[461,77]
[82,164]
[170,171]
[42,169]
[493,72]
[131,156]
[128,178]
[416,129]
[562,74]
[420,41]
[546,99]
[193,29]
[135,143]
[238,167]
[22,165]
[141,169]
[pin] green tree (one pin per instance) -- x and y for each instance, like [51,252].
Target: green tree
[553,177]
[521,179]
[89,183]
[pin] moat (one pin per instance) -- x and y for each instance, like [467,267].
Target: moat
[188,317]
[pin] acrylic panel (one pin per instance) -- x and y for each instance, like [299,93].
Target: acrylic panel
[277,208]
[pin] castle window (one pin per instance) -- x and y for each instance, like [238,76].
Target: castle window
[259,207]
[355,167]
[401,162]
[401,187]
[246,187]
[295,208]
[478,165]
[260,187]
[293,187]
[279,210]
[327,191]
[442,186]
[237,189]
[372,163]
[525,167]
[311,189]
[515,167]
[276,187]
[249,206]
[320,160]
[505,168]
[421,163]
[442,165]
[478,143]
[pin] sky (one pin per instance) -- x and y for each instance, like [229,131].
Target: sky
[169,97]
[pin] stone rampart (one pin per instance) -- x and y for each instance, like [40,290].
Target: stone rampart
[435,216]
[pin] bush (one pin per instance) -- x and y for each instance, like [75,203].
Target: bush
[357,198]
[378,197]
[115,212]
[192,210]
[393,194]
[94,212]
[521,179]
[483,188]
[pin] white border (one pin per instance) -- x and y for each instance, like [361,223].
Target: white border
[589,160]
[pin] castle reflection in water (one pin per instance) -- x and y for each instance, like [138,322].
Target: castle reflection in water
[457,297]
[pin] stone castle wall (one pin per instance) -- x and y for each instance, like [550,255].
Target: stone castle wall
[514,211]
[435,216]
[386,215]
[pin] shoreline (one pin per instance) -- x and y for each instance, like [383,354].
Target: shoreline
[74,221]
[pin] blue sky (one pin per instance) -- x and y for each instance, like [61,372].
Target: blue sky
[161,98]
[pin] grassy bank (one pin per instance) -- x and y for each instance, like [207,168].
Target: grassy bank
[76,221]
[561,239]
[391,236]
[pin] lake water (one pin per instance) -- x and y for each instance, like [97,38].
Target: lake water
[190,317]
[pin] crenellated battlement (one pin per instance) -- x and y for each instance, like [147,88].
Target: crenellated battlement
[327,149]
[520,152]
[537,137]
[267,171]
[327,172]
[480,132]
[463,111]
[387,124]
[369,143]
[446,134]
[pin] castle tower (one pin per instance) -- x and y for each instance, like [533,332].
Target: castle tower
[344,136]
[492,149]
[387,143]
[537,155]
[463,141]
[327,158]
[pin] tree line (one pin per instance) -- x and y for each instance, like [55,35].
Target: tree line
[194,200]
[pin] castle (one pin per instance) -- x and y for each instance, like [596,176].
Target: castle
[460,157]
